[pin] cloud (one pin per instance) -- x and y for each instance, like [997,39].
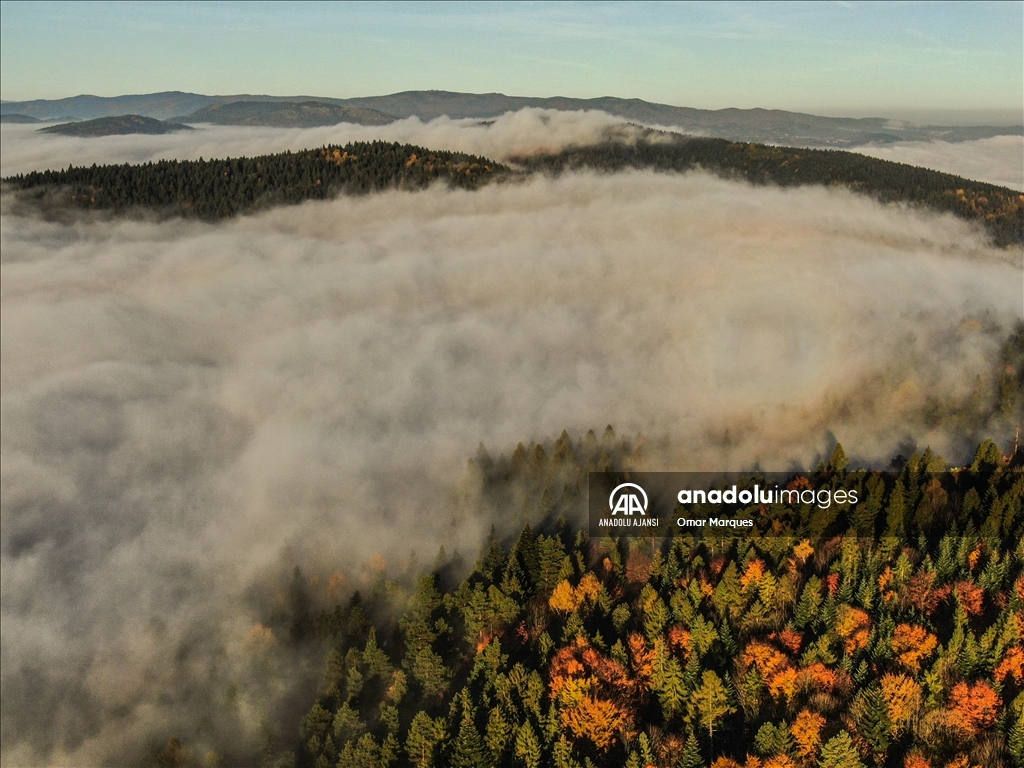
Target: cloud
[998,160]
[188,410]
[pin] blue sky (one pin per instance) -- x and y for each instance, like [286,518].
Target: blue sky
[829,58]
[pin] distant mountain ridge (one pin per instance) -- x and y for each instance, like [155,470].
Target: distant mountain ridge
[756,125]
[306,114]
[14,117]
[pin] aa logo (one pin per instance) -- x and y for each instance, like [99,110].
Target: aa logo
[623,500]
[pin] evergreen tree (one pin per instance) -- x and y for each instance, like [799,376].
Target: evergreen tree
[468,751]
[691,753]
[710,703]
[871,715]
[839,752]
[528,749]
[425,738]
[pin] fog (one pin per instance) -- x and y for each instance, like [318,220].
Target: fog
[522,132]
[998,160]
[189,410]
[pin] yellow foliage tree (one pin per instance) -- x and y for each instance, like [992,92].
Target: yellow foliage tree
[753,574]
[854,626]
[806,730]
[903,699]
[563,598]
[595,719]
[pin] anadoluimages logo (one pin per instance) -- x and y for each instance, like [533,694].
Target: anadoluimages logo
[626,502]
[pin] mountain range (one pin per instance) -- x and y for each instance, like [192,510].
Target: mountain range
[306,114]
[757,125]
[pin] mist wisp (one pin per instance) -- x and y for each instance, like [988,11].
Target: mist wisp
[514,133]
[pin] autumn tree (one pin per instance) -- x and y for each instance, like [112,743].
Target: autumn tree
[806,730]
[709,703]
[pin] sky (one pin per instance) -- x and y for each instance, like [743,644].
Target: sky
[893,59]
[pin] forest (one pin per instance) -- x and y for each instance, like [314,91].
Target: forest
[215,189]
[886,634]
[893,641]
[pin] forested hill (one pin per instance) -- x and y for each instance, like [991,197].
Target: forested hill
[213,189]
[119,125]
[892,640]
[1000,209]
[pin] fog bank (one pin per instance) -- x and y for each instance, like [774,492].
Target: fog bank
[998,160]
[522,132]
[187,408]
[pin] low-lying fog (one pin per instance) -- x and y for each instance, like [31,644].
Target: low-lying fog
[998,160]
[189,409]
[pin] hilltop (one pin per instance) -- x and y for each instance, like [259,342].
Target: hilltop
[16,118]
[115,126]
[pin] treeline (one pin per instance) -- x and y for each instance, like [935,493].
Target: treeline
[1001,210]
[216,189]
[213,189]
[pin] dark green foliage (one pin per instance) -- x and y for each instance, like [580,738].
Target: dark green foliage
[872,719]
[215,189]
[468,751]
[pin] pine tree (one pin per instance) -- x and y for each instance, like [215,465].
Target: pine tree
[347,725]
[871,715]
[499,733]
[563,757]
[425,737]
[810,601]
[839,752]
[668,681]
[1015,742]
[710,703]
[468,751]
[527,746]
[772,739]
[691,753]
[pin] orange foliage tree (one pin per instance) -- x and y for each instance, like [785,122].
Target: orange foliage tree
[806,730]
[1012,665]
[972,597]
[912,645]
[973,708]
